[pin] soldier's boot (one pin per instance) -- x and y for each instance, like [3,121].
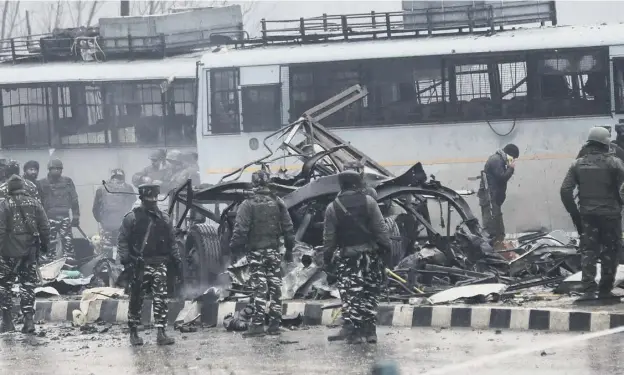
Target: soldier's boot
[29,323]
[358,336]
[254,330]
[345,332]
[371,333]
[163,339]
[274,328]
[135,339]
[7,322]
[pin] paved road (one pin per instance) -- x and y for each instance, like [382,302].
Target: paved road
[67,351]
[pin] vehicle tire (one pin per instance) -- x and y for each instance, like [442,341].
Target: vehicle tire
[397,247]
[203,244]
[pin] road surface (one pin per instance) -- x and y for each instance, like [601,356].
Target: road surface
[65,350]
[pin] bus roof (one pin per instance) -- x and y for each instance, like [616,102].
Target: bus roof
[178,67]
[553,37]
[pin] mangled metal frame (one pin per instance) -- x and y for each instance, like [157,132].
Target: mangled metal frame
[323,155]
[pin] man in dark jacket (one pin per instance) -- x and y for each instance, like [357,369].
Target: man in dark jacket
[109,207]
[146,245]
[13,168]
[260,222]
[355,226]
[25,230]
[493,190]
[31,172]
[599,177]
[59,198]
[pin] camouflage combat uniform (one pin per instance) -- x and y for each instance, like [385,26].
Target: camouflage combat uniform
[156,248]
[109,209]
[59,198]
[20,216]
[260,221]
[29,187]
[598,175]
[360,234]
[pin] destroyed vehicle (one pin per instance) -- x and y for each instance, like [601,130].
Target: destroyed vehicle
[405,200]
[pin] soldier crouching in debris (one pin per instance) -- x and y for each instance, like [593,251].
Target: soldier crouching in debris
[493,190]
[260,221]
[25,231]
[355,226]
[146,244]
[599,176]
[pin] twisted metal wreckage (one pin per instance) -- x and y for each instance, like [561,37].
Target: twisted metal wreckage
[426,265]
[423,260]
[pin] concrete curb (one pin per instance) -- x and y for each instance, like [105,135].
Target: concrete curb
[477,317]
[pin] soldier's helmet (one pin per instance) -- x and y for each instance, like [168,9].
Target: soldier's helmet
[55,163]
[118,173]
[354,166]
[149,192]
[260,178]
[14,183]
[600,135]
[158,155]
[12,168]
[349,180]
[174,156]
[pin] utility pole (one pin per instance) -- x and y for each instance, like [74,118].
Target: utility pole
[124,8]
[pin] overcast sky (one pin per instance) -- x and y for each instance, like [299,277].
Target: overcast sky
[41,12]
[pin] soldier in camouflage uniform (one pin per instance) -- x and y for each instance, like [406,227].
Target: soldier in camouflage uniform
[260,222]
[153,173]
[25,230]
[146,245]
[13,168]
[599,176]
[59,198]
[109,208]
[356,228]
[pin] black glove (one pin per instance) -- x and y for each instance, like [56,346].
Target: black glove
[75,221]
[288,256]
[43,248]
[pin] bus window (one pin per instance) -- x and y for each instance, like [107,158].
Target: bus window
[618,82]
[224,109]
[26,118]
[261,108]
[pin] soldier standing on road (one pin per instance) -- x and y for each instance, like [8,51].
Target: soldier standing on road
[355,226]
[153,173]
[493,190]
[260,222]
[59,198]
[31,172]
[13,168]
[146,245]
[599,177]
[109,208]
[24,231]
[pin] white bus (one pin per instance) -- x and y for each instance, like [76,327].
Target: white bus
[448,101]
[97,116]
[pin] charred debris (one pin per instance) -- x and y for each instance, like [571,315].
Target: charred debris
[438,243]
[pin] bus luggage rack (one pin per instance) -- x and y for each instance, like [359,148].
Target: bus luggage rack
[64,47]
[478,16]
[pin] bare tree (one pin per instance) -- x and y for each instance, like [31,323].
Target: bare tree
[10,19]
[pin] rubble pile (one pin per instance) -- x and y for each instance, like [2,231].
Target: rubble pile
[532,264]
